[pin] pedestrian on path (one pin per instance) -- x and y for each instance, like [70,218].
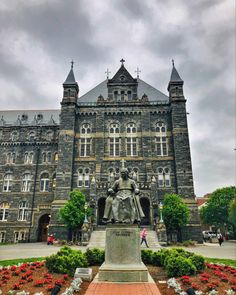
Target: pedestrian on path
[220,238]
[143,236]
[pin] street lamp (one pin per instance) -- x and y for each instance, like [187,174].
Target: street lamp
[85,214]
[161,207]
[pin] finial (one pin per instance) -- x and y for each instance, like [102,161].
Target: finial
[173,62]
[122,61]
[72,64]
[107,72]
[138,71]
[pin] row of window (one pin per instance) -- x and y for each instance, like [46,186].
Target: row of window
[161,141]
[83,180]
[47,157]
[23,211]
[27,181]
[14,136]
[18,236]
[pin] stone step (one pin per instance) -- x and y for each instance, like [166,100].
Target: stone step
[97,240]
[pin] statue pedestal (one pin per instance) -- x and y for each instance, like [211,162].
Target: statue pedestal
[122,255]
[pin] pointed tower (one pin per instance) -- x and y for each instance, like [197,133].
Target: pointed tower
[65,153]
[182,157]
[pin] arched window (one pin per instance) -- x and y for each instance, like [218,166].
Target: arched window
[26,182]
[44,182]
[129,93]
[164,177]
[49,135]
[116,95]
[111,174]
[114,140]
[85,140]
[23,211]
[46,157]
[31,136]
[131,140]
[83,177]
[14,135]
[11,158]
[7,182]
[161,140]
[28,157]
[55,157]
[4,211]
[134,173]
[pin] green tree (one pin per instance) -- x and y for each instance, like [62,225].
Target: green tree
[232,212]
[73,213]
[176,214]
[216,211]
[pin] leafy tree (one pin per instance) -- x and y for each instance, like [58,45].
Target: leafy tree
[73,213]
[232,212]
[217,207]
[176,214]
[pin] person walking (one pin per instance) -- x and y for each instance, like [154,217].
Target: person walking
[220,238]
[143,236]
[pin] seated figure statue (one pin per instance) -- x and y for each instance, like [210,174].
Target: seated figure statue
[122,203]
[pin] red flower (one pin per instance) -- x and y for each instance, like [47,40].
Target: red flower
[30,279]
[16,287]
[206,275]
[49,287]
[210,286]
[17,272]
[21,282]
[194,286]
[216,283]
[66,277]
[204,280]
[60,282]
[39,283]
[13,268]
[233,282]
[233,288]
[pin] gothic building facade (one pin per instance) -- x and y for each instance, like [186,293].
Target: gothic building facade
[47,153]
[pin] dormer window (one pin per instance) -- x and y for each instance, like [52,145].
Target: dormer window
[24,117]
[39,117]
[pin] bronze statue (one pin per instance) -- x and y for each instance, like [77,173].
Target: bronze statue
[122,203]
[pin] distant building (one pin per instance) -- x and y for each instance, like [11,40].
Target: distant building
[47,153]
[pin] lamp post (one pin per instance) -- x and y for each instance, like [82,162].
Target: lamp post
[85,213]
[161,207]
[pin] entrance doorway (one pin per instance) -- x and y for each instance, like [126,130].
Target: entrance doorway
[101,207]
[43,227]
[145,204]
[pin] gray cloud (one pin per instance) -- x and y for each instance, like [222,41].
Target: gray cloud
[38,38]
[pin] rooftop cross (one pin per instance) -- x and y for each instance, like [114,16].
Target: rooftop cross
[107,72]
[72,64]
[122,61]
[138,71]
[173,62]
[122,163]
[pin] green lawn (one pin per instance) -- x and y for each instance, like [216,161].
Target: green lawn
[221,260]
[20,260]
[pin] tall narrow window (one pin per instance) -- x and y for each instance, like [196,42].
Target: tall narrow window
[114,140]
[14,136]
[23,211]
[55,158]
[2,236]
[134,173]
[44,182]
[83,177]
[28,157]
[115,95]
[4,211]
[111,175]
[54,182]
[46,157]
[26,182]
[122,95]
[7,182]
[129,95]
[31,136]
[11,158]
[85,140]
[164,177]
[131,140]
[161,140]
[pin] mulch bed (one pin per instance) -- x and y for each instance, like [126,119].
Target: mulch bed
[39,272]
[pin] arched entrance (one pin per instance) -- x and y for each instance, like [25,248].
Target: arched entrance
[100,212]
[146,210]
[43,227]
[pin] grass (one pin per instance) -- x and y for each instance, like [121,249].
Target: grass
[231,262]
[20,260]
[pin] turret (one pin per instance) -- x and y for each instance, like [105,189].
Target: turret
[175,86]
[71,88]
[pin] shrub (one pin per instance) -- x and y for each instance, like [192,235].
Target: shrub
[95,256]
[179,266]
[66,261]
[198,261]
[182,252]
[147,256]
[158,258]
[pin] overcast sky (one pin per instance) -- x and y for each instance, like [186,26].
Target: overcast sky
[38,38]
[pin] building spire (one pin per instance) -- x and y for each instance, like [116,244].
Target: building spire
[71,77]
[175,77]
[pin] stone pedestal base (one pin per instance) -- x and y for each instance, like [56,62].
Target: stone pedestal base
[123,256]
[161,233]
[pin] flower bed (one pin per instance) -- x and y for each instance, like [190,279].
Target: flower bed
[216,279]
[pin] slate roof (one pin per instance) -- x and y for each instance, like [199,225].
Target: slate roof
[70,78]
[143,87]
[175,77]
[29,117]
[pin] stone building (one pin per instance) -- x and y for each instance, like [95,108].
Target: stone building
[47,153]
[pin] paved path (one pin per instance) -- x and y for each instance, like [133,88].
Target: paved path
[227,250]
